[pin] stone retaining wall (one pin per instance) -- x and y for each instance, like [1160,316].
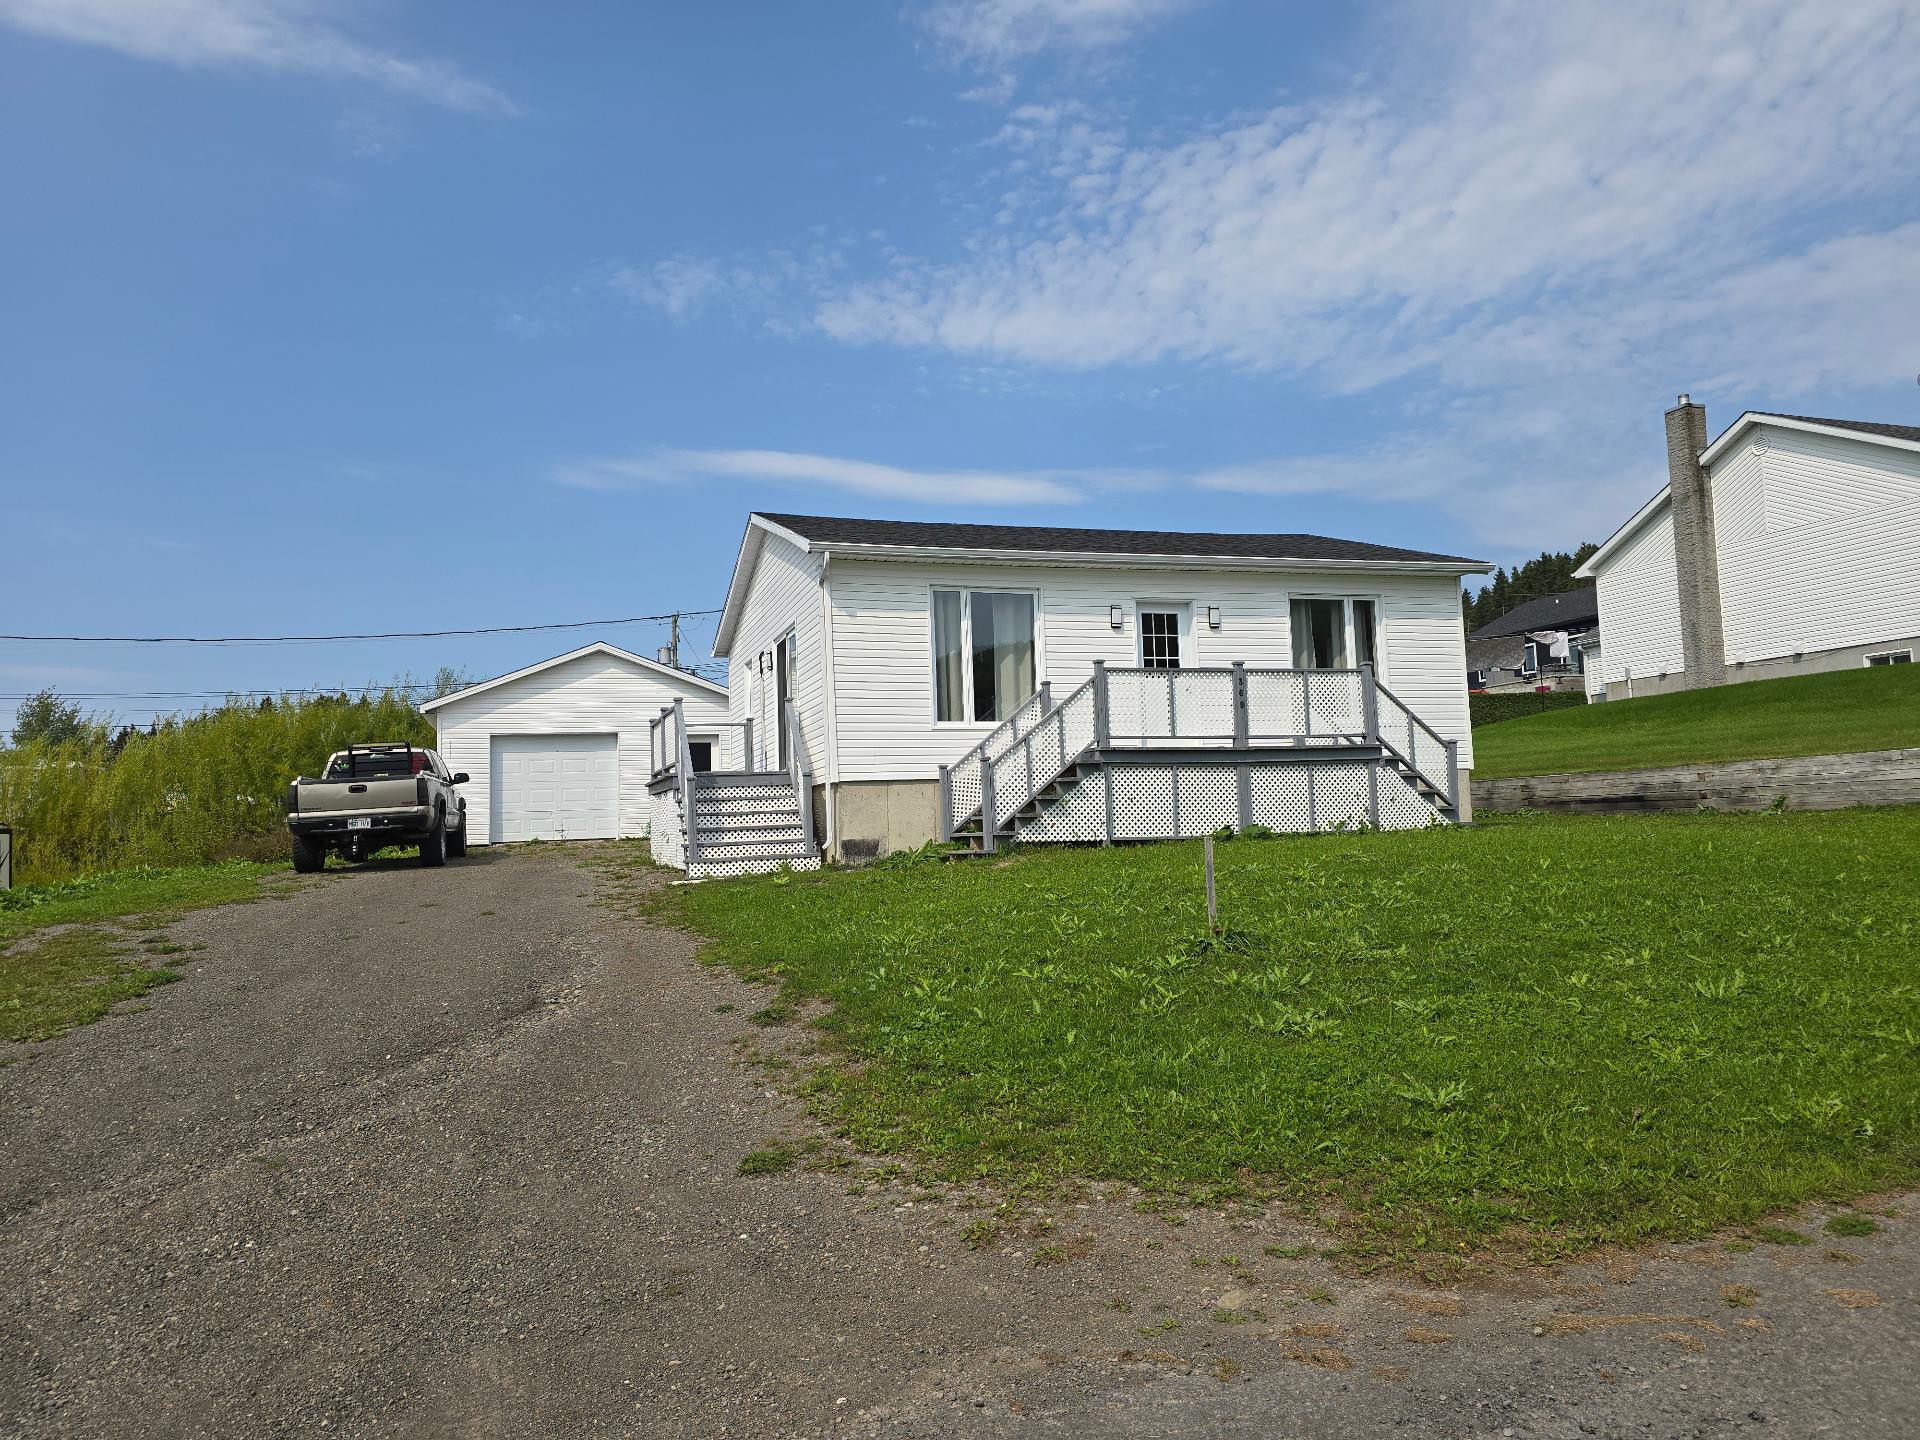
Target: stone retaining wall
[1808,782]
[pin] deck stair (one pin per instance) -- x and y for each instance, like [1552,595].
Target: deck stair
[749,820]
[747,823]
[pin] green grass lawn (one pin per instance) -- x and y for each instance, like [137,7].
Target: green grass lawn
[1863,709]
[90,963]
[1538,1033]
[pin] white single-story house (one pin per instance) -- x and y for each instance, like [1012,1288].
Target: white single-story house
[1097,684]
[1790,544]
[559,750]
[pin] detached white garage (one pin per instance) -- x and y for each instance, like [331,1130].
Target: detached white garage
[558,751]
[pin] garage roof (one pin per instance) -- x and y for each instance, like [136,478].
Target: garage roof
[599,647]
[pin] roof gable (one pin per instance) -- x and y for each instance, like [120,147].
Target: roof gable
[599,647]
[1901,437]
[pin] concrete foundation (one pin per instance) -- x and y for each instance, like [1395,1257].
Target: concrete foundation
[876,817]
[1813,662]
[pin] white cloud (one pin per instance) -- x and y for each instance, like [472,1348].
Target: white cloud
[815,472]
[1518,161]
[999,32]
[289,35]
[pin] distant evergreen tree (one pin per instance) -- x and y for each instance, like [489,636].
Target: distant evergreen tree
[1549,573]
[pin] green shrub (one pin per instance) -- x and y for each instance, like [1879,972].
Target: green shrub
[204,788]
[1492,709]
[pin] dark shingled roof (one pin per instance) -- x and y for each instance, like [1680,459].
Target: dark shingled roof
[939,535]
[1865,427]
[1569,610]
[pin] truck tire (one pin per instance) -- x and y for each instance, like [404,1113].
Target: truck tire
[457,841]
[307,856]
[433,845]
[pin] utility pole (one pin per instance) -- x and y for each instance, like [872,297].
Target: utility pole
[676,640]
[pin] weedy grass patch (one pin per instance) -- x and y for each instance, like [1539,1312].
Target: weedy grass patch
[1544,1032]
[87,965]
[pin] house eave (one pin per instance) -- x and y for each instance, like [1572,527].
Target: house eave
[1081,560]
[1590,570]
[1753,418]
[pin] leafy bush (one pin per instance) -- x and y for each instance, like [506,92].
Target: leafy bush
[1492,709]
[205,788]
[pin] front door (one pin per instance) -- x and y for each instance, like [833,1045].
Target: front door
[782,693]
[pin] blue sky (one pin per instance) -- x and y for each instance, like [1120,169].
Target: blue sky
[574,287]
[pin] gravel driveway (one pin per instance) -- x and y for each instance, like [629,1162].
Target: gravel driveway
[454,1153]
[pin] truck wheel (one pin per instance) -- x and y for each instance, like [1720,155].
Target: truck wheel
[457,841]
[433,845]
[307,856]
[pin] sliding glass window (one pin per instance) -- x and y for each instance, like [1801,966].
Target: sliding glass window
[984,665]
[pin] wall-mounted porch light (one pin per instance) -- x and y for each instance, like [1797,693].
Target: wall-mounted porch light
[1213,617]
[1116,617]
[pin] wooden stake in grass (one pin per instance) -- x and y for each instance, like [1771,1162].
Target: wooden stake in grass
[1213,908]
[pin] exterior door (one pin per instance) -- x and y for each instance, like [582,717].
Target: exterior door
[782,693]
[555,787]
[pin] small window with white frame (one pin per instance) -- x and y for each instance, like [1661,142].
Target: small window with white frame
[985,653]
[1891,657]
[1334,632]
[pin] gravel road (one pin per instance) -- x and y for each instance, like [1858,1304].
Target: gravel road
[455,1153]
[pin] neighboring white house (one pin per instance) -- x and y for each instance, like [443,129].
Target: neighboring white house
[1790,544]
[903,646]
[559,750]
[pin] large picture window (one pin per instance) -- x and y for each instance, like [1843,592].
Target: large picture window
[983,654]
[1334,633]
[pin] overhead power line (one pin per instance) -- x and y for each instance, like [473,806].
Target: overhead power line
[672,615]
[219,694]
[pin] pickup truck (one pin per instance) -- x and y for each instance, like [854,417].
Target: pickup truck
[371,796]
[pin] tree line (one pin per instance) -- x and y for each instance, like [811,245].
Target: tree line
[1549,573]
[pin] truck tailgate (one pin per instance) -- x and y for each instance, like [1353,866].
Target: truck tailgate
[333,797]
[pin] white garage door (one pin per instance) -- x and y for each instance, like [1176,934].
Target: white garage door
[555,787]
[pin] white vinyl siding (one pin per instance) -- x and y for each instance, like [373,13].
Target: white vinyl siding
[1819,544]
[882,643]
[783,596]
[1639,592]
[596,694]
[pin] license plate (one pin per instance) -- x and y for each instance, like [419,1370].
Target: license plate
[360,824]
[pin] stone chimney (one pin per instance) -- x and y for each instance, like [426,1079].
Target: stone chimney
[1702,646]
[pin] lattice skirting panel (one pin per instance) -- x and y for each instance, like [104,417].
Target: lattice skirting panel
[749,865]
[665,832]
[1172,801]
[1402,807]
[1078,815]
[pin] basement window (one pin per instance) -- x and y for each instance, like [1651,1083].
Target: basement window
[1891,657]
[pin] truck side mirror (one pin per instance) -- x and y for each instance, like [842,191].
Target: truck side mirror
[460,777]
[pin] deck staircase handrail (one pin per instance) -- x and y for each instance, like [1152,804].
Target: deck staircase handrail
[1041,756]
[684,762]
[801,774]
[1430,755]
[960,782]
